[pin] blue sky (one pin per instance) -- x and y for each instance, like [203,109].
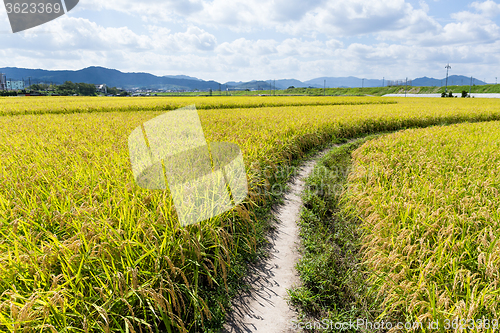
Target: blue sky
[266,39]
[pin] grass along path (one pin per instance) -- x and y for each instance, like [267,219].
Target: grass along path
[333,287]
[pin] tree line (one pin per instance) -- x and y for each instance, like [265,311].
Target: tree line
[69,88]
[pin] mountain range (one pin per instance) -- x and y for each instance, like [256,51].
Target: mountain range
[115,78]
[110,77]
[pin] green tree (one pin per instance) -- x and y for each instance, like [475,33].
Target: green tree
[8,93]
[39,87]
[68,88]
[113,91]
[86,89]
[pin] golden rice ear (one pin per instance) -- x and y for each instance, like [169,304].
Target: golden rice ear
[427,212]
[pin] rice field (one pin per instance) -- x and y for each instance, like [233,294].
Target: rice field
[84,249]
[61,104]
[428,202]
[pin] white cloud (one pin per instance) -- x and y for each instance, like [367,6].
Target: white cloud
[488,8]
[82,34]
[261,39]
[244,46]
[308,49]
[194,39]
[290,47]
[466,28]
[470,28]
[424,6]
[292,10]
[336,18]
[354,18]
[391,61]
[152,10]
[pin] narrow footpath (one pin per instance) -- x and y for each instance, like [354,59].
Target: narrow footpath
[264,308]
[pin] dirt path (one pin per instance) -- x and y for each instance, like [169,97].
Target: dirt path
[264,308]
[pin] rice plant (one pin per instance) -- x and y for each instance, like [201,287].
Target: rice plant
[60,104]
[428,204]
[84,249]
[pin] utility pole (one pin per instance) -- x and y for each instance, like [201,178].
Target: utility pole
[406,85]
[448,67]
[470,87]
[495,80]
[362,83]
[220,92]
[324,88]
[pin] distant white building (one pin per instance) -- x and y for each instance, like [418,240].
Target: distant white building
[14,85]
[101,88]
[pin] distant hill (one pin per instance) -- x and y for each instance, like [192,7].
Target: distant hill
[283,84]
[115,78]
[453,80]
[331,82]
[182,77]
[257,85]
[336,82]
[111,77]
